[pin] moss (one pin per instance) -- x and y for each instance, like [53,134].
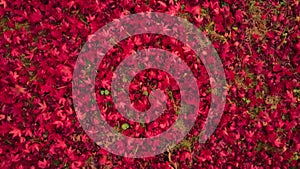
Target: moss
[253,112]
[56,162]
[3,24]
[24,25]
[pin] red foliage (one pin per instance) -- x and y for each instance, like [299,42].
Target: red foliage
[258,43]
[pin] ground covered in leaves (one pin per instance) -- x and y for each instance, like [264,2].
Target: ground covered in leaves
[258,43]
